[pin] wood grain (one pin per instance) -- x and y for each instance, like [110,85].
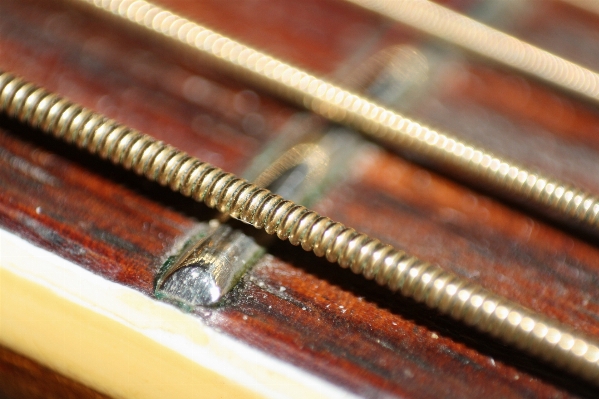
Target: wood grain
[291,305]
[23,378]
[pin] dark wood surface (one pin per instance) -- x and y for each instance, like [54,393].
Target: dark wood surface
[23,378]
[325,320]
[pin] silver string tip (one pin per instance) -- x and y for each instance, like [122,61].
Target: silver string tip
[210,268]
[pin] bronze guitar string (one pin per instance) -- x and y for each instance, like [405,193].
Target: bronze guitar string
[492,44]
[591,6]
[422,281]
[545,193]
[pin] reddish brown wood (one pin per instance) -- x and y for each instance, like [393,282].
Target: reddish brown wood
[570,37]
[325,320]
[23,378]
[530,124]
[530,102]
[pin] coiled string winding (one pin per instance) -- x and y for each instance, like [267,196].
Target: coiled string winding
[422,281]
[557,198]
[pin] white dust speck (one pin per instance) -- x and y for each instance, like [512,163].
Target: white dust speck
[245,317]
[434,336]
[38,210]
[282,289]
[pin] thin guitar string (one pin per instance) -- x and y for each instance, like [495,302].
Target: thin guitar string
[591,6]
[424,282]
[492,44]
[542,192]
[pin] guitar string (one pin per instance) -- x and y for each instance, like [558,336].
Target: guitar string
[492,44]
[424,282]
[591,6]
[539,191]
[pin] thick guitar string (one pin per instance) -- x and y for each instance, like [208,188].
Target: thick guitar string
[484,41]
[339,105]
[422,281]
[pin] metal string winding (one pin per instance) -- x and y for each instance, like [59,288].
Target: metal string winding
[546,193]
[422,281]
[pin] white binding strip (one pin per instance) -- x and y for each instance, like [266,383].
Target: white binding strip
[67,318]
